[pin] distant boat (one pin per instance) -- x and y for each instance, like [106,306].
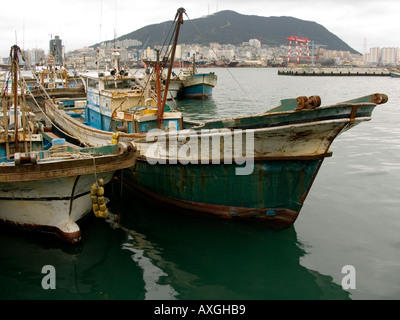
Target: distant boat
[174,88]
[197,85]
[258,168]
[395,72]
[46,184]
[53,80]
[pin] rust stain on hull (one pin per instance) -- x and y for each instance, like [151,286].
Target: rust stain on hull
[275,218]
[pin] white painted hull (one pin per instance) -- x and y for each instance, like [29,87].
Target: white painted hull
[173,89]
[46,205]
[53,194]
[303,140]
[306,139]
[201,78]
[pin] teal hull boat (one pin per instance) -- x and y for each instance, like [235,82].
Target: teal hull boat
[288,146]
[199,85]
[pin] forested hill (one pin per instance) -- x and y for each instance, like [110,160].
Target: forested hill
[230,27]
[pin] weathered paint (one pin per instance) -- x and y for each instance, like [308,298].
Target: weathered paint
[275,190]
[199,85]
[54,193]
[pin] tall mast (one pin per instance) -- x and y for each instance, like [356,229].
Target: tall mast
[14,70]
[179,19]
[158,85]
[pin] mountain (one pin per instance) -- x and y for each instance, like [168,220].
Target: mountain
[230,27]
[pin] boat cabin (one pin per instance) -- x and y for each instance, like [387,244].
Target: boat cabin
[119,102]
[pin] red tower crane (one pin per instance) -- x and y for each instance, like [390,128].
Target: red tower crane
[301,41]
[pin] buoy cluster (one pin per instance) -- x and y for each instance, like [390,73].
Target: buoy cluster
[115,138]
[98,202]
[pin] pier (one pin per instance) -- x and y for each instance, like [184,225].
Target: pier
[309,71]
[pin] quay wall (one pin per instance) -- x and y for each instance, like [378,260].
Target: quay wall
[333,72]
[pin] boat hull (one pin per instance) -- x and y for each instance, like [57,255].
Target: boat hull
[260,168]
[273,193]
[54,194]
[174,88]
[199,85]
[49,205]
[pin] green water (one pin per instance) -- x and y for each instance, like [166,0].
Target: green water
[351,217]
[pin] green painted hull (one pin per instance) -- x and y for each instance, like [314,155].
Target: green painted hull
[290,144]
[274,192]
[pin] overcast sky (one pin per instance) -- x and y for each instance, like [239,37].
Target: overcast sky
[79,23]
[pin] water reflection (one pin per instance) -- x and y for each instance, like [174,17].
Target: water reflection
[196,109]
[93,269]
[144,252]
[207,258]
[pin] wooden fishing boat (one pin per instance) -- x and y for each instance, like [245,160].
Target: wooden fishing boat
[263,169]
[46,185]
[174,88]
[197,85]
[257,167]
[54,81]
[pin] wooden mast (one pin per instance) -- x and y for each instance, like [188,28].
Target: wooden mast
[14,56]
[179,19]
[158,86]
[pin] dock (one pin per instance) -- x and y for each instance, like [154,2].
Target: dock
[309,71]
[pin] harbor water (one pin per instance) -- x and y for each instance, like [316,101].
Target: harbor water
[349,221]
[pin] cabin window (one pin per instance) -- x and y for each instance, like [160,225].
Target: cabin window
[93,83]
[119,84]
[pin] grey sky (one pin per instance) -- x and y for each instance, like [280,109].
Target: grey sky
[85,22]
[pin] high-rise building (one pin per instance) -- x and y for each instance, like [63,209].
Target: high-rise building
[385,55]
[56,49]
[389,55]
[38,56]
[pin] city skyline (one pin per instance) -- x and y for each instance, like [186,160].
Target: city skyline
[83,23]
[251,53]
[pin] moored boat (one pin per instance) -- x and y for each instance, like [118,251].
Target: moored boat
[46,185]
[53,80]
[254,168]
[197,85]
[395,72]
